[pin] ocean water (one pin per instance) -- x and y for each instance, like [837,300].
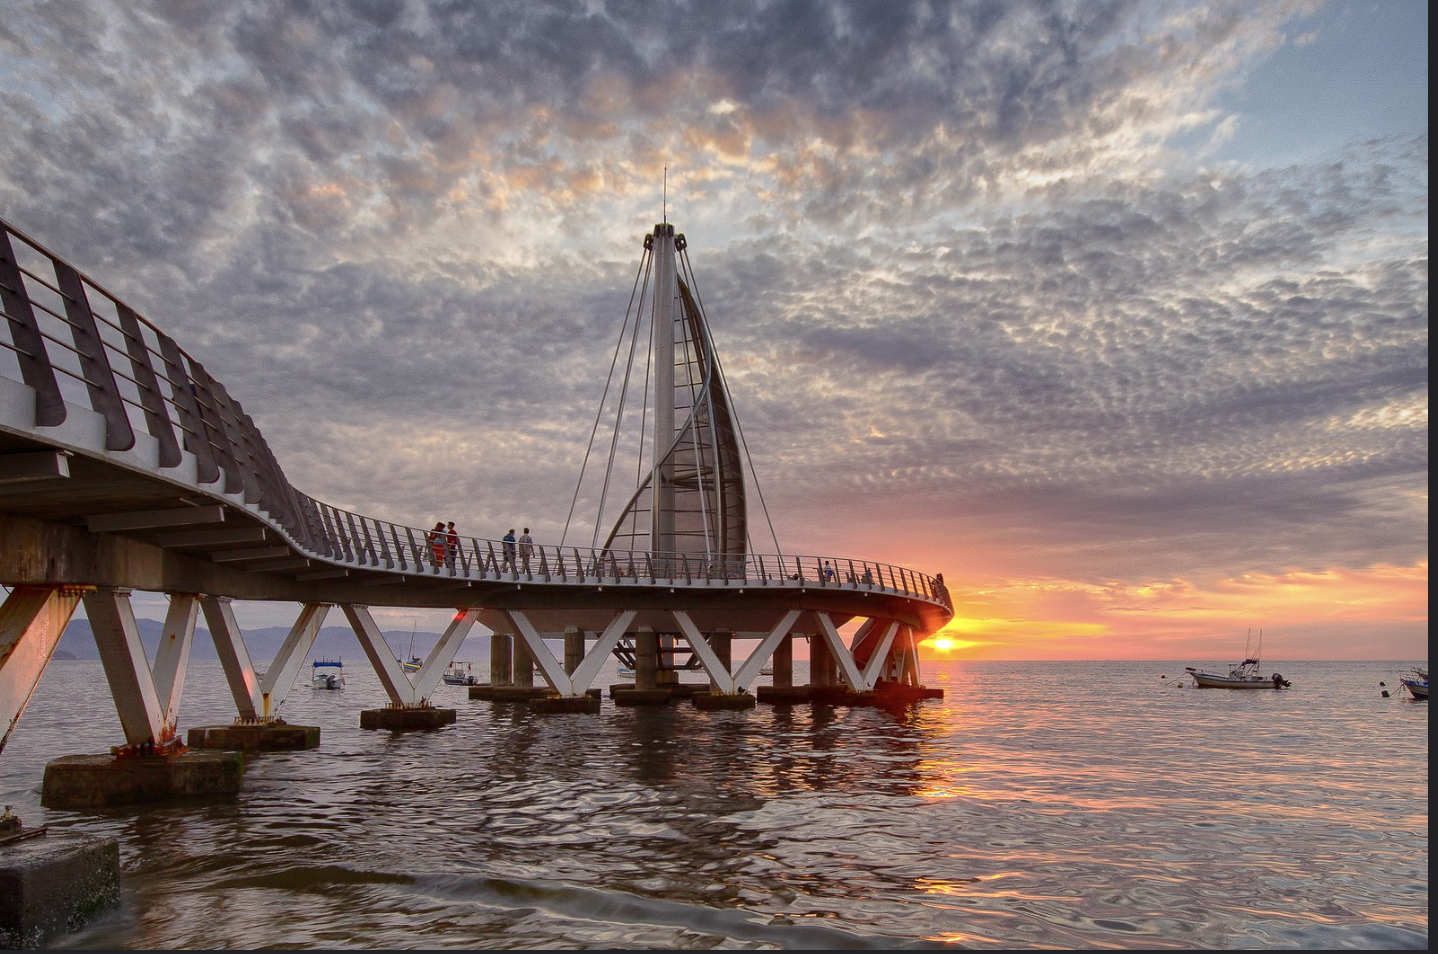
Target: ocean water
[1037,805]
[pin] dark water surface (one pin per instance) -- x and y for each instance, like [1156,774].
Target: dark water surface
[1038,805]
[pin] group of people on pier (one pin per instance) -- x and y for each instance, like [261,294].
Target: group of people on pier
[443,543]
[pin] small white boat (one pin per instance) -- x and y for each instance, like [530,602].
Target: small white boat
[460,674]
[1242,675]
[1415,681]
[327,674]
[414,663]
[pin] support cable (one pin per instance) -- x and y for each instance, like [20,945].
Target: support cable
[623,401]
[599,413]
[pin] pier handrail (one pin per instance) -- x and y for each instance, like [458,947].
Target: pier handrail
[72,342]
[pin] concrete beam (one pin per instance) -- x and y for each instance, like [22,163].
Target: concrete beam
[32,620]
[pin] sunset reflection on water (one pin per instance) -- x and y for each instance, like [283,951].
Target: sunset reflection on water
[1035,805]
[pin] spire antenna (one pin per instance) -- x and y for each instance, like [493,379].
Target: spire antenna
[664,203]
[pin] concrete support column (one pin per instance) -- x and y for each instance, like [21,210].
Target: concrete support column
[722,642]
[132,685]
[32,620]
[821,662]
[501,659]
[523,664]
[909,663]
[784,663]
[234,656]
[666,675]
[573,649]
[646,659]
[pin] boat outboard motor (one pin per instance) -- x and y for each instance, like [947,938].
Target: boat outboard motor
[1279,682]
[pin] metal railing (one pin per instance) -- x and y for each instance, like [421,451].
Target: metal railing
[73,342]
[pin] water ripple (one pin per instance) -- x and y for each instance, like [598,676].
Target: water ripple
[1095,808]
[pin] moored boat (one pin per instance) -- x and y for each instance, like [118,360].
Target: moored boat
[327,674]
[1415,681]
[1242,675]
[460,674]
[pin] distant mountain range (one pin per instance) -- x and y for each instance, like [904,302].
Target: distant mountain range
[78,642]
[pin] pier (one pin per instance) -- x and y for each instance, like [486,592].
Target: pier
[125,466]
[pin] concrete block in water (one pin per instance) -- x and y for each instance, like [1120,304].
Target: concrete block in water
[640,697]
[52,882]
[782,695]
[402,718]
[256,737]
[522,693]
[78,782]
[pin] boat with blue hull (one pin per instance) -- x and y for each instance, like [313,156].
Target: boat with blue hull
[1415,681]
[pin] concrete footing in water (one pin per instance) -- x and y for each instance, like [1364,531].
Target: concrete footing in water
[588,703]
[79,782]
[255,737]
[640,697]
[514,693]
[52,882]
[782,695]
[722,701]
[401,718]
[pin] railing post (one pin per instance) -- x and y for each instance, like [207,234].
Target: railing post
[35,366]
[212,428]
[94,362]
[182,392]
[152,399]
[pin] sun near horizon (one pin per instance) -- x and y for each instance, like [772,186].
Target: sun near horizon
[1335,614]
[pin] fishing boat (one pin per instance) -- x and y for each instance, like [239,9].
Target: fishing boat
[1242,675]
[460,674]
[327,674]
[1415,681]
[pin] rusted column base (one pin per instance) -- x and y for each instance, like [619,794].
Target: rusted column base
[255,737]
[78,782]
[586,703]
[401,718]
[717,701]
[687,690]
[619,687]
[831,695]
[481,692]
[52,882]
[782,695]
[640,697]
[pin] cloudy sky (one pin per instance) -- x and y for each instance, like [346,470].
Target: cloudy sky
[1116,313]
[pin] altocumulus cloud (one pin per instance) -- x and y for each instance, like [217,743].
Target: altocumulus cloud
[977,270]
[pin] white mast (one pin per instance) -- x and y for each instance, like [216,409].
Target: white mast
[666,293]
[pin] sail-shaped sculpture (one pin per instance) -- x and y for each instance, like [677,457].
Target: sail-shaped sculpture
[691,505]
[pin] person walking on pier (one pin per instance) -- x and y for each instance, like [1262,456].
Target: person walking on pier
[526,549]
[451,541]
[509,550]
[435,539]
